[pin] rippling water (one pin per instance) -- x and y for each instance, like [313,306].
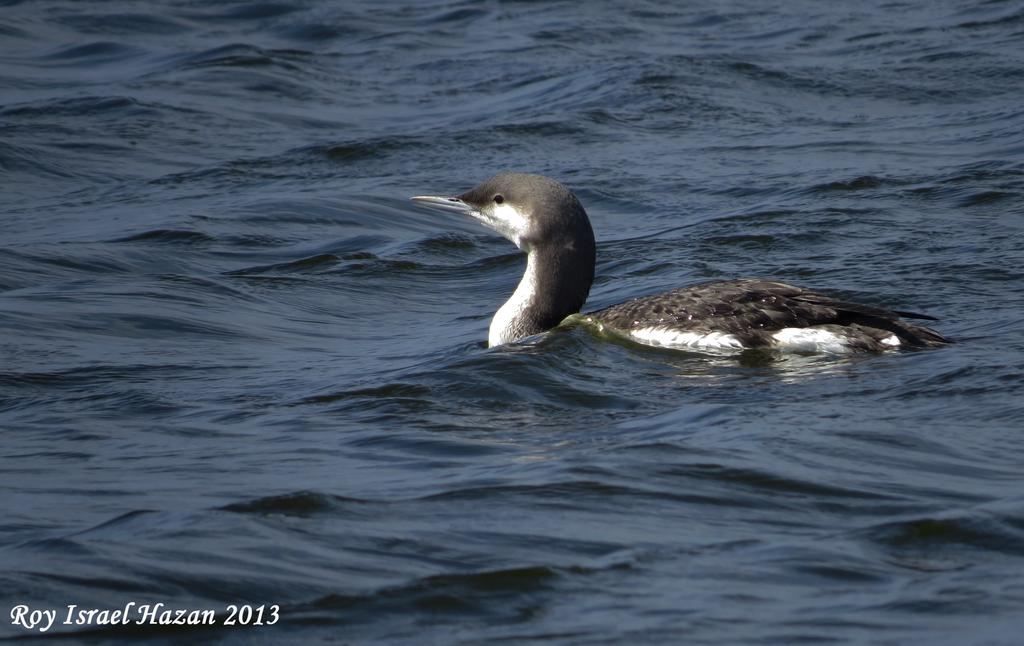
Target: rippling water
[238,367]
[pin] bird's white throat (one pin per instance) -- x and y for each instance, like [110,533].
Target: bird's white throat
[506,321]
[506,220]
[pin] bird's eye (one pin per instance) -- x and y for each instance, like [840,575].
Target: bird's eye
[498,199]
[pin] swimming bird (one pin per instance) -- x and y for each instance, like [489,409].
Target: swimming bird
[544,219]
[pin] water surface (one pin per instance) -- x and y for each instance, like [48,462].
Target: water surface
[238,366]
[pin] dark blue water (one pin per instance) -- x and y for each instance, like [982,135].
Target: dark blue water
[237,366]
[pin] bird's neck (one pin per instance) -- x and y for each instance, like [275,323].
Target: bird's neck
[555,285]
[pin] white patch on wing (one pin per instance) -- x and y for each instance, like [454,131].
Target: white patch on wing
[669,338]
[809,339]
[893,340]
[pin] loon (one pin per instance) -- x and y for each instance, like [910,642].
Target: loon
[545,220]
